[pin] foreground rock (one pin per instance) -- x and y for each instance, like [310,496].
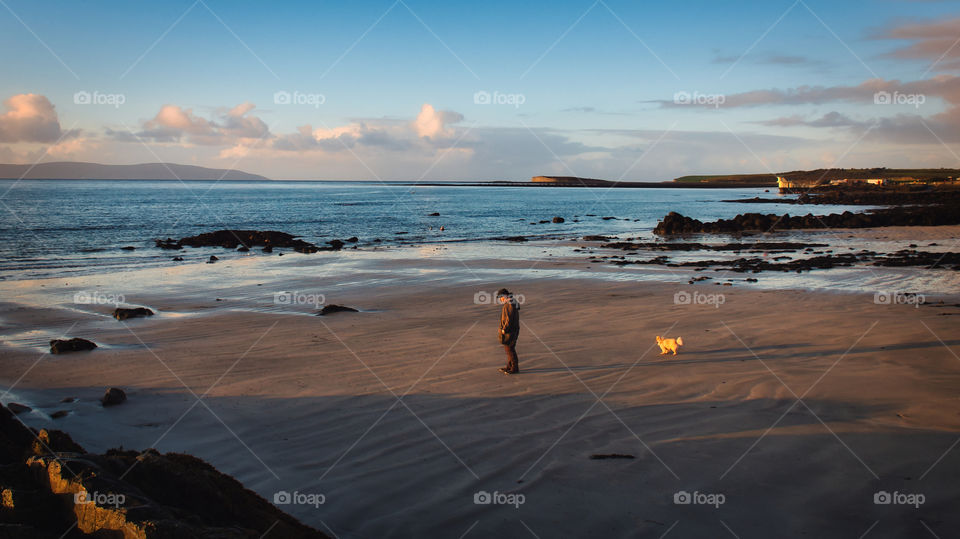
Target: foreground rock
[674,223]
[330,309]
[76,344]
[51,486]
[136,312]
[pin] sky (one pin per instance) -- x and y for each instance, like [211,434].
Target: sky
[432,91]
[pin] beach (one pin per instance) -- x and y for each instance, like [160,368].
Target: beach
[789,411]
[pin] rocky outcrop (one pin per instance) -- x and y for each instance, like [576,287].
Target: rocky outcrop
[76,344]
[50,485]
[234,239]
[124,314]
[674,223]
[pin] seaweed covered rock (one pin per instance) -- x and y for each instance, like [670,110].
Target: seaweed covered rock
[76,344]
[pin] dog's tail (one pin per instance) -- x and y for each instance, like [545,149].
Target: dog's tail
[680,341]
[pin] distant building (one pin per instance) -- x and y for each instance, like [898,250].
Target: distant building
[877,181]
[784,183]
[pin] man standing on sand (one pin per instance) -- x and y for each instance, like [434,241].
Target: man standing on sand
[509,329]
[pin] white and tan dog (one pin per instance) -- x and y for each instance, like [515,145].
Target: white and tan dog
[668,345]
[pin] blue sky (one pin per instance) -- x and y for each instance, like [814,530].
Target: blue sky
[591,86]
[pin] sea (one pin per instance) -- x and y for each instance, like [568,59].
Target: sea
[63,228]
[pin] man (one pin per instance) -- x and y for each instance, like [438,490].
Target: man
[509,329]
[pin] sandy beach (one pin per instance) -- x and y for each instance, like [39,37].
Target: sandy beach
[785,414]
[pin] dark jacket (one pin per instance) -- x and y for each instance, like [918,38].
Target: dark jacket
[509,323]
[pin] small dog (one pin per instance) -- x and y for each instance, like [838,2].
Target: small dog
[667,345]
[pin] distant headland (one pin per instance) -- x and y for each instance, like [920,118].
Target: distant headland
[71,170]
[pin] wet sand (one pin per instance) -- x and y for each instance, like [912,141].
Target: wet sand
[793,408]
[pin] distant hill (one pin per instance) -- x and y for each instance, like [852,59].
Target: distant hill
[746,180]
[65,170]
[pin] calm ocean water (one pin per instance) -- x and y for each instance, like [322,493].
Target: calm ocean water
[54,228]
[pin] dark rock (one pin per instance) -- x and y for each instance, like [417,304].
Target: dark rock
[936,215]
[169,243]
[212,259]
[607,456]
[18,408]
[231,239]
[558,219]
[59,413]
[352,239]
[335,245]
[517,239]
[268,248]
[136,312]
[76,344]
[243,249]
[113,396]
[598,238]
[178,259]
[128,248]
[434,214]
[330,309]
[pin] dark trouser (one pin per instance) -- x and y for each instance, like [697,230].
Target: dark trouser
[512,360]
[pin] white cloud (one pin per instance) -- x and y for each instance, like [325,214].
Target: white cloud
[29,118]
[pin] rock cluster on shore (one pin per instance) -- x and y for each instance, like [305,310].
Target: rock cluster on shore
[51,487]
[675,223]
[246,239]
